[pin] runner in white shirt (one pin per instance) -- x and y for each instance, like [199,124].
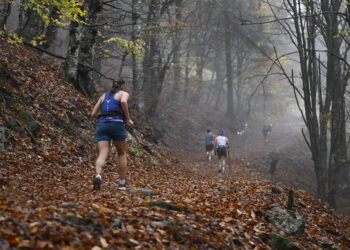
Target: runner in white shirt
[221,143]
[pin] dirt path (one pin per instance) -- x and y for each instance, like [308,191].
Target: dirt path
[201,167]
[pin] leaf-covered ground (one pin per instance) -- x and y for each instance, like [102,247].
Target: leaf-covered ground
[174,202]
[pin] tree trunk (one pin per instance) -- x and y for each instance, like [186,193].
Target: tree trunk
[176,43]
[136,63]
[228,56]
[220,91]
[239,79]
[30,24]
[21,17]
[51,30]
[153,88]
[337,171]
[98,60]
[199,46]
[71,63]
[153,81]
[87,48]
[198,81]
[5,7]
[187,69]
[211,86]
[122,64]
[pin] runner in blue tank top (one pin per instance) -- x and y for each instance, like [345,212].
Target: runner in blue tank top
[112,111]
[209,146]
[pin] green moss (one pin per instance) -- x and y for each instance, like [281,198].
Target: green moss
[134,151]
[278,242]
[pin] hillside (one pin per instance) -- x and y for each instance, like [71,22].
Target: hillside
[175,201]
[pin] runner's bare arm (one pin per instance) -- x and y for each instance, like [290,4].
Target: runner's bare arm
[97,108]
[124,102]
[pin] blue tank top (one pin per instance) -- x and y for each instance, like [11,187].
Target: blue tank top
[111,110]
[208,138]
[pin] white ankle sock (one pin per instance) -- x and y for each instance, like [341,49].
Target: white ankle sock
[98,176]
[122,182]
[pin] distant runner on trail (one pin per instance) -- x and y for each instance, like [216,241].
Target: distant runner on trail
[112,111]
[209,144]
[221,143]
[265,133]
[267,130]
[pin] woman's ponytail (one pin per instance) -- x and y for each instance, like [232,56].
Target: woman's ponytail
[116,86]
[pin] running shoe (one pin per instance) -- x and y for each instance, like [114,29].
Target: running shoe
[97,182]
[122,187]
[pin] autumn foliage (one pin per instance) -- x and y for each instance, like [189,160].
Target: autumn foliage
[47,201]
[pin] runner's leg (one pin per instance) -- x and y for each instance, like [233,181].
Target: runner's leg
[122,169]
[103,148]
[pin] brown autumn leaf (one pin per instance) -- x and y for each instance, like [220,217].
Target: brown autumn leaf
[103,242]
[252,214]
[96,248]
[135,242]
[25,244]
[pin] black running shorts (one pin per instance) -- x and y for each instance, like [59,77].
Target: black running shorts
[209,147]
[221,152]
